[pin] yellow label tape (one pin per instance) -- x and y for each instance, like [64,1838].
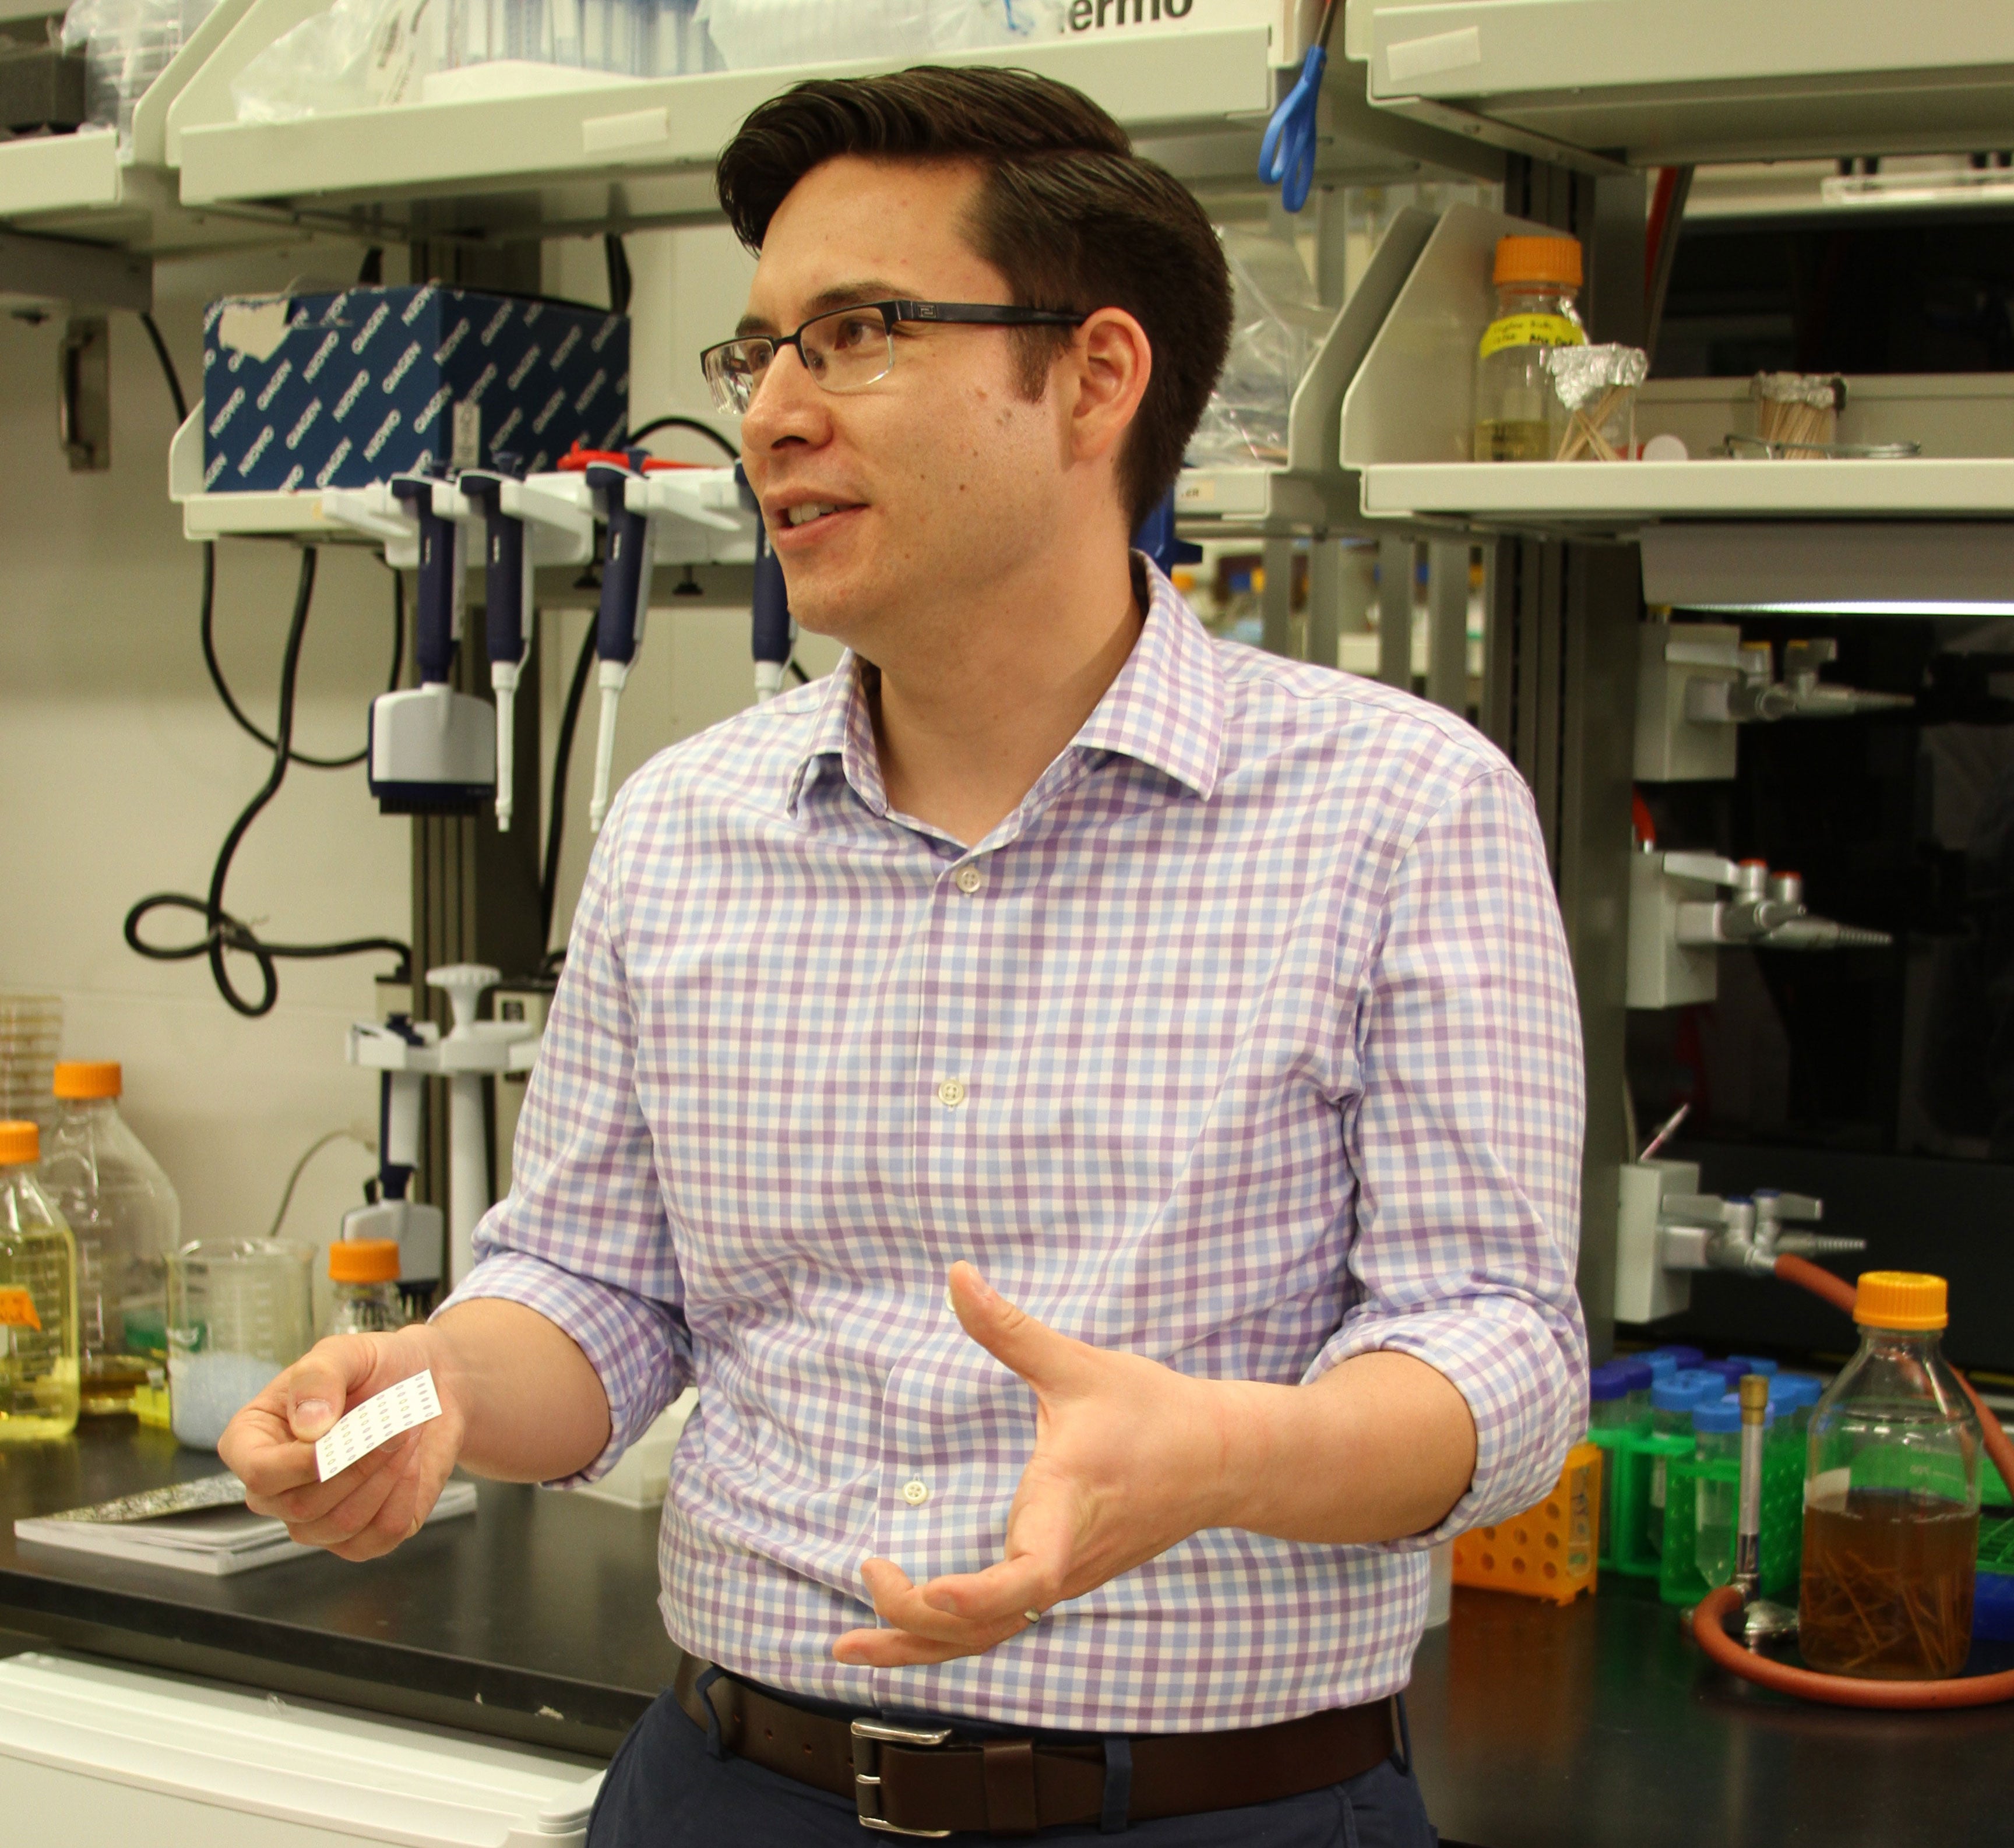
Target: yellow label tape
[1530,329]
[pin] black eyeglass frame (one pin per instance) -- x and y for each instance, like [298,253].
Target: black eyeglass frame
[987,314]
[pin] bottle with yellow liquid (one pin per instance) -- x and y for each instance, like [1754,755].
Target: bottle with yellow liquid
[1518,415]
[38,1318]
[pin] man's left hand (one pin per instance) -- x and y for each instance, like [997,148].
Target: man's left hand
[1130,1459]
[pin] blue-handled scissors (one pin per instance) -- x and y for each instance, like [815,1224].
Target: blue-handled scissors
[1287,155]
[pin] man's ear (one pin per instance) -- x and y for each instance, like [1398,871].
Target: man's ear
[1106,368]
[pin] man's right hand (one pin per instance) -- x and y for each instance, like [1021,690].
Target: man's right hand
[381,1498]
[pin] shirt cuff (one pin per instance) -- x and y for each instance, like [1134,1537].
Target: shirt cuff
[1524,1379]
[634,1344]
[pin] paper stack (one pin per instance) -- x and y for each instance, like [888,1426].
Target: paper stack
[194,1527]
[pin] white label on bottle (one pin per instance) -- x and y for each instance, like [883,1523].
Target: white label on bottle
[377,1421]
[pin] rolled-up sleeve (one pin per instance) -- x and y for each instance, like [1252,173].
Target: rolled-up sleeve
[1465,1139]
[582,1237]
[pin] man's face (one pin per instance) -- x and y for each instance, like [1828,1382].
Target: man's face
[943,475]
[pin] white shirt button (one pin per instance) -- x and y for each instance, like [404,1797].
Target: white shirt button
[916,1493]
[968,880]
[951,1093]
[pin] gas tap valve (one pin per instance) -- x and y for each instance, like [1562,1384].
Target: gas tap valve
[1766,911]
[1698,682]
[1746,1234]
[1685,907]
[1667,1230]
[1756,696]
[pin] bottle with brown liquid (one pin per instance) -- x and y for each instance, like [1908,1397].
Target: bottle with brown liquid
[1892,1497]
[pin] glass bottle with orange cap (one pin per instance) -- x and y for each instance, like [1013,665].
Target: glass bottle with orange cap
[365,1272]
[1892,1497]
[122,1210]
[38,1321]
[1518,416]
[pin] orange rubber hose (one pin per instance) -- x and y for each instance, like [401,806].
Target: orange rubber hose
[1709,1618]
[1834,1690]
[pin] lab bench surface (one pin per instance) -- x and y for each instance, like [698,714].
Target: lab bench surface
[1595,1726]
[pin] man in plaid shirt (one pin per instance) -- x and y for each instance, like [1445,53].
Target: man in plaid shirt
[1096,1110]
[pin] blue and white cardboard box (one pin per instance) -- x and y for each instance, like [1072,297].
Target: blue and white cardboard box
[335,390]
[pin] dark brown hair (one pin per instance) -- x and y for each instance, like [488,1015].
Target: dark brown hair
[1068,214]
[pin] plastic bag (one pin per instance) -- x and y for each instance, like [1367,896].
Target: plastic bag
[127,43]
[359,55]
[763,34]
[1278,321]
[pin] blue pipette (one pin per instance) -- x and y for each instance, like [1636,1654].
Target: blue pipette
[1287,155]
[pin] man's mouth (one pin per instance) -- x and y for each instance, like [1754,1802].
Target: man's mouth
[809,513]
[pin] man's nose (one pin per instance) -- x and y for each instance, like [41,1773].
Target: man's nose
[788,404]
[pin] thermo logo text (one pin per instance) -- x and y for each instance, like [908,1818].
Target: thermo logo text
[1095,15]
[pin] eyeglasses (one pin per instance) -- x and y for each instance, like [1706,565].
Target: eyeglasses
[851,348]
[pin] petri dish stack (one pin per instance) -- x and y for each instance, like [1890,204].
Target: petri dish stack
[30,1038]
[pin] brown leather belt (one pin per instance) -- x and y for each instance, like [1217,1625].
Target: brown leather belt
[929,1780]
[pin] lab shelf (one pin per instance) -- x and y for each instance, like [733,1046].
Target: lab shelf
[81,188]
[635,152]
[1407,414]
[1621,498]
[1693,81]
[1260,501]
[641,153]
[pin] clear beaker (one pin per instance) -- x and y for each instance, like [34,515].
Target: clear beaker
[239,1311]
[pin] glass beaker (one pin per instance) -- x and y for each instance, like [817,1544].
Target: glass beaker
[1892,1497]
[239,1311]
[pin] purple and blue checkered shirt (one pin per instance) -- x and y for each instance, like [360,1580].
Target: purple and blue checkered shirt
[1248,1041]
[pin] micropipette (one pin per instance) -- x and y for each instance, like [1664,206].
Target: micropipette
[626,595]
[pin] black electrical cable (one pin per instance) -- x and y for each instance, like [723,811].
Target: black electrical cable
[224,693]
[224,933]
[167,368]
[206,625]
[681,423]
[621,285]
[549,879]
[804,679]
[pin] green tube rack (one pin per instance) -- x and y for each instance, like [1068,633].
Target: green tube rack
[1638,1462]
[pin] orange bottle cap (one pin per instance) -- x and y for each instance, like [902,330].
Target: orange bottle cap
[78,1078]
[1538,259]
[20,1142]
[1905,1299]
[365,1261]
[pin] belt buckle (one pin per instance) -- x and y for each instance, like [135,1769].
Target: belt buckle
[868,1737]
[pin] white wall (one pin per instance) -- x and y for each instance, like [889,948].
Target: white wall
[122,771]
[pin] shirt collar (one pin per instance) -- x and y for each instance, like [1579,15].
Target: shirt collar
[1165,707]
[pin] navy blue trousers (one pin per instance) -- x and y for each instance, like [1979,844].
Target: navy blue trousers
[666,1789]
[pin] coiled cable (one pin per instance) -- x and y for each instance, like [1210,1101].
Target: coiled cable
[223,933]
